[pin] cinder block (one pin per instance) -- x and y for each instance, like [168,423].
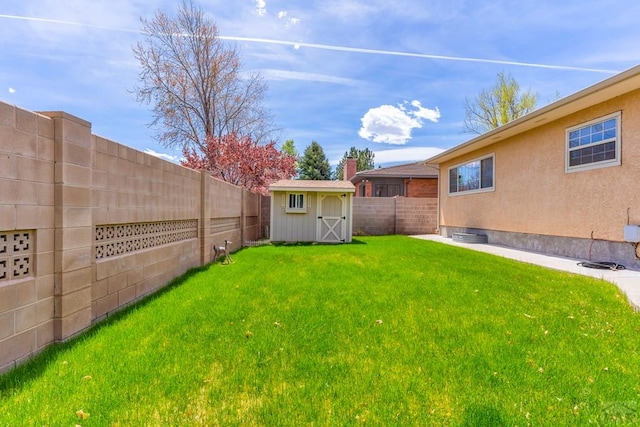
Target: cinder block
[7,324]
[26,120]
[7,216]
[46,217]
[73,217]
[75,238]
[14,192]
[99,179]
[75,196]
[25,292]
[7,115]
[45,194]
[17,346]
[44,311]
[7,297]
[27,216]
[19,143]
[74,259]
[126,295]
[44,286]
[73,174]
[45,127]
[44,334]
[68,326]
[76,280]
[33,169]
[26,318]
[105,305]
[99,289]
[8,163]
[135,276]
[73,302]
[116,283]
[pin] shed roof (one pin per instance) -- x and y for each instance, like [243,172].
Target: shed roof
[407,170]
[313,185]
[617,85]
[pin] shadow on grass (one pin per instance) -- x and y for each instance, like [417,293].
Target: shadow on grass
[481,416]
[37,365]
[353,242]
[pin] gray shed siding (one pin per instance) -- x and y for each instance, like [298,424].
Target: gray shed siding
[293,227]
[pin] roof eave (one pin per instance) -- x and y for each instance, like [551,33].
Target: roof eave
[600,92]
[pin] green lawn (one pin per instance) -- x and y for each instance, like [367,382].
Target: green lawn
[385,331]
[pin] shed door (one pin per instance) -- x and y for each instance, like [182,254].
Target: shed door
[332,219]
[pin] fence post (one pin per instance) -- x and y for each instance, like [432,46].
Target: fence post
[74,255]
[205,221]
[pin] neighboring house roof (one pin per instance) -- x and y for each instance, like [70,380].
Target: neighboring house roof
[617,85]
[312,185]
[409,170]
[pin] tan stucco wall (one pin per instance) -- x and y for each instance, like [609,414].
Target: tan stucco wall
[534,194]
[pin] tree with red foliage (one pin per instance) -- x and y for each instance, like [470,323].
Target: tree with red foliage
[240,160]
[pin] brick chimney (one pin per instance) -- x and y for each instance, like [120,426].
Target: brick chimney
[350,168]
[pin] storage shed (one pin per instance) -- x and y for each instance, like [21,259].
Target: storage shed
[311,211]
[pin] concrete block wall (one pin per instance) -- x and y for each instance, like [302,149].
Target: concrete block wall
[394,215]
[88,225]
[27,210]
[416,215]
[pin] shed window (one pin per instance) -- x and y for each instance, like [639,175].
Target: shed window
[594,144]
[475,176]
[296,202]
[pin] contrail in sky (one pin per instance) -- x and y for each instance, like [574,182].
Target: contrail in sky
[336,48]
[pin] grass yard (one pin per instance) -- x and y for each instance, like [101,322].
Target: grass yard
[385,331]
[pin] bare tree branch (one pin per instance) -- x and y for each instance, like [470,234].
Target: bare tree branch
[497,105]
[195,83]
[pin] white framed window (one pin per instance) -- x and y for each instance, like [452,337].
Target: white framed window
[296,202]
[594,144]
[474,176]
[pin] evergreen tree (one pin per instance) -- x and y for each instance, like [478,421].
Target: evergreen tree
[364,161]
[314,165]
[289,148]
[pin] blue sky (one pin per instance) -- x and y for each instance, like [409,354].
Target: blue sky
[391,76]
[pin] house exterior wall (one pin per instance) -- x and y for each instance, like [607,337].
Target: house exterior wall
[88,225]
[409,187]
[533,195]
[421,187]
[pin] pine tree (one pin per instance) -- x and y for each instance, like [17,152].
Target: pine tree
[364,161]
[314,165]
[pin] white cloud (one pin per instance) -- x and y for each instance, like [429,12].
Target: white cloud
[12,90]
[164,156]
[399,155]
[283,15]
[393,125]
[426,113]
[261,7]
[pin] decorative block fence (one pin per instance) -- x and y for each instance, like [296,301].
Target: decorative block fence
[88,226]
